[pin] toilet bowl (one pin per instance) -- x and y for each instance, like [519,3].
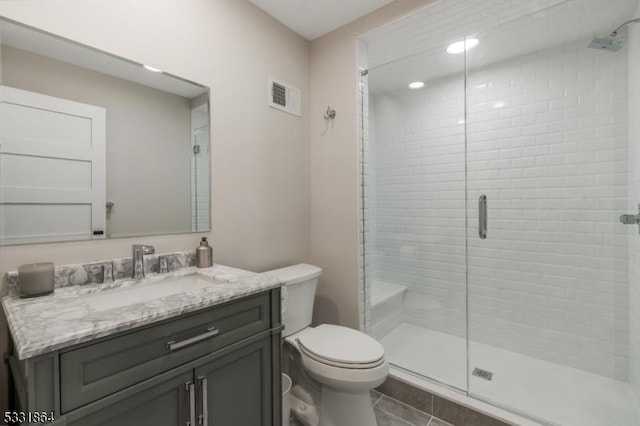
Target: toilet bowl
[346,362]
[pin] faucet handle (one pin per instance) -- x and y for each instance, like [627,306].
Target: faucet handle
[107,272]
[164,264]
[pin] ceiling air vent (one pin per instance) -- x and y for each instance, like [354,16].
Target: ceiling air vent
[284,97]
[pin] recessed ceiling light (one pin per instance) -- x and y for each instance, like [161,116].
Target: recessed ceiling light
[416,85]
[152,69]
[499,104]
[462,45]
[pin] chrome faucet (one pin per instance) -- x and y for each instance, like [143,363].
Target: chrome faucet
[139,250]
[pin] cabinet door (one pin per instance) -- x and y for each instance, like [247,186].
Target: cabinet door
[164,403]
[236,389]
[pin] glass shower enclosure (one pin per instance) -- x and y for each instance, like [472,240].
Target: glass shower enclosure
[495,261]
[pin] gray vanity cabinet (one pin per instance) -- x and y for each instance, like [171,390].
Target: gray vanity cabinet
[235,390]
[232,390]
[161,404]
[174,373]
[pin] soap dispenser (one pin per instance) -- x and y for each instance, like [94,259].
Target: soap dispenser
[204,254]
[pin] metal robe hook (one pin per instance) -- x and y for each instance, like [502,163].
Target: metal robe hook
[330,114]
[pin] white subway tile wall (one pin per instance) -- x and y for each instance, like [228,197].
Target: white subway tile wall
[370,204]
[547,144]
[419,213]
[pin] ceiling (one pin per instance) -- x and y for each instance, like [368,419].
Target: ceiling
[414,48]
[313,18]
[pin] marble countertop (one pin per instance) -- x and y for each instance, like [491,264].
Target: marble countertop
[47,323]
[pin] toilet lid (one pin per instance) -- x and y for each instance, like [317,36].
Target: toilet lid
[342,347]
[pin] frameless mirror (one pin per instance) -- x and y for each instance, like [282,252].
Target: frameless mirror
[95,146]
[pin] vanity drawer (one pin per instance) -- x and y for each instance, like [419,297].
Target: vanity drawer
[94,371]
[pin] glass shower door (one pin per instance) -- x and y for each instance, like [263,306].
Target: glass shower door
[548,281]
[414,227]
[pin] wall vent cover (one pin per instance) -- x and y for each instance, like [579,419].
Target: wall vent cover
[284,97]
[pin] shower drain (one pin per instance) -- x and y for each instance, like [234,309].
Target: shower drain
[483,374]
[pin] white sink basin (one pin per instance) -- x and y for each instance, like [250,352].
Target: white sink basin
[116,298]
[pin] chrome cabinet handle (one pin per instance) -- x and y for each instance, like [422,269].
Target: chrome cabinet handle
[173,345]
[204,417]
[482,217]
[192,404]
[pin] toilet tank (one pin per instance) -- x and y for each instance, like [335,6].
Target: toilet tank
[299,290]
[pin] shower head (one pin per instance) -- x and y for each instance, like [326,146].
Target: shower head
[606,43]
[610,43]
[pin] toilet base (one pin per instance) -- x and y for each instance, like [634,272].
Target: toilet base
[339,408]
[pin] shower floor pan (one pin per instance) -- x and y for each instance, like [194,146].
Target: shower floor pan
[556,393]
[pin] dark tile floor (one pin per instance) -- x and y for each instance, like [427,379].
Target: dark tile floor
[390,412]
[440,408]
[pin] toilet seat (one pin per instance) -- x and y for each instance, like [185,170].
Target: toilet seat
[341,347]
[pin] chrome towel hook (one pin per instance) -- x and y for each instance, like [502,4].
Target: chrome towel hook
[330,114]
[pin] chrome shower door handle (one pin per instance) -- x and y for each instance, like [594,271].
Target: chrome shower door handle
[482,217]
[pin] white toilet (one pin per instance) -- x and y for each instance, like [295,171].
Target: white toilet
[346,362]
